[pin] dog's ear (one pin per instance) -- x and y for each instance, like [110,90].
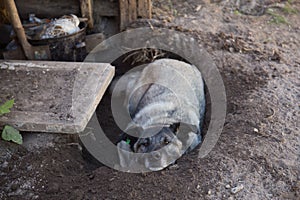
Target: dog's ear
[174,127]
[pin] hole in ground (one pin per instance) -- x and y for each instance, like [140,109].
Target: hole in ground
[123,64]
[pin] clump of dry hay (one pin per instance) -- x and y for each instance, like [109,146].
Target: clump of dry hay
[145,55]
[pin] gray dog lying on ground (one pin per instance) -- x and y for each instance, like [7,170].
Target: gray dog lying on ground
[166,103]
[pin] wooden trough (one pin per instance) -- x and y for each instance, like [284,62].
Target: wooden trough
[56,97]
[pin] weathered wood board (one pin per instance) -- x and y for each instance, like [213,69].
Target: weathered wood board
[86,7]
[54,97]
[144,8]
[57,8]
[130,10]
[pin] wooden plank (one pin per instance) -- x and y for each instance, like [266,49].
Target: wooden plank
[149,6]
[47,8]
[58,8]
[124,17]
[86,7]
[141,8]
[109,8]
[128,12]
[132,10]
[144,8]
[64,104]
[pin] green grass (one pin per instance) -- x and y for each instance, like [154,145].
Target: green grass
[172,9]
[236,12]
[289,9]
[276,18]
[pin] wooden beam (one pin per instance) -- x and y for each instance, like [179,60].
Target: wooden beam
[132,10]
[149,15]
[106,8]
[144,8]
[86,7]
[58,8]
[124,17]
[47,8]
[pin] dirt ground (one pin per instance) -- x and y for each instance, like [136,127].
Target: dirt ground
[258,153]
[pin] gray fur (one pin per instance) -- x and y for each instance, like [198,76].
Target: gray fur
[164,93]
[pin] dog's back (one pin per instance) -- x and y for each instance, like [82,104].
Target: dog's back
[161,98]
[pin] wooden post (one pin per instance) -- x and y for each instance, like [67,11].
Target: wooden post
[17,25]
[130,10]
[144,8]
[86,7]
[124,18]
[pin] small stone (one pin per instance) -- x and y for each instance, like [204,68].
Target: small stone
[255,130]
[5,164]
[93,191]
[174,167]
[269,196]
[190,170]
[198,8]
[110,180]
[144,174]
[237,189]
[209,192]
[91,176]
[14,186]
[29,168]
[168,19]
[227,186]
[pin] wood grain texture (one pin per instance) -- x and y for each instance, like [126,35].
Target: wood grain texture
[124,16]
[47,8]
[58,8]
[144,8]
[107,8]
[92,80]
[86,7]
[132,10]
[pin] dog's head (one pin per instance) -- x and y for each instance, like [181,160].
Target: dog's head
[162,148]
[162,138]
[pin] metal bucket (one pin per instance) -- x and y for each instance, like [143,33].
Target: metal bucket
[66,48]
